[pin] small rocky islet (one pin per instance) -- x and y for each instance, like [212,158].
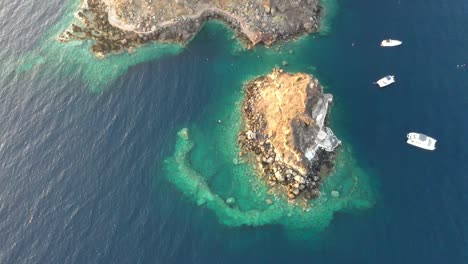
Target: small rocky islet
[285,135]
[119,25]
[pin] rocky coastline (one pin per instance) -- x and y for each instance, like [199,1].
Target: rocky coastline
[118,25]
[285,134]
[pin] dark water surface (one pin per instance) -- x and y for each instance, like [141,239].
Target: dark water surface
[80,172]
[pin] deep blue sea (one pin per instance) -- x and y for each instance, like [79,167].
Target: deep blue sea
[81,171]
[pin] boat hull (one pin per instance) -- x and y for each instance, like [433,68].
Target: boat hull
[390,43]
[414,139]
[386,81]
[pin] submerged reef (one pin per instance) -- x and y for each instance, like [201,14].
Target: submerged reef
[285,133]
[117,25]
[207,169]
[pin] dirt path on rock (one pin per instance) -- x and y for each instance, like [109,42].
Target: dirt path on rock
[254,37]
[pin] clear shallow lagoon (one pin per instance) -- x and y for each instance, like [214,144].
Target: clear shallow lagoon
[82,172]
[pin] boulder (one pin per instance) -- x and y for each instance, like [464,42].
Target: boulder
[335,194]
[308,26]
[279,176]
[299,179]
[251,135]
[230,200]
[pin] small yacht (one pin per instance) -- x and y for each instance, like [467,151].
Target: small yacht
[421,141]
[385,81]
[390,43]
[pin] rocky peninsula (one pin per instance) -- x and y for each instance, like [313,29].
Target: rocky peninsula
[285,134]
[117,25]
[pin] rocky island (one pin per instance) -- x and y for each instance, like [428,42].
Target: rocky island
[117,25]
[285,134]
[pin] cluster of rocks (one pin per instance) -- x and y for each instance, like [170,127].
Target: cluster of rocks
[94,24]
[280,19]
[117,25]
[301,177]
[277,172]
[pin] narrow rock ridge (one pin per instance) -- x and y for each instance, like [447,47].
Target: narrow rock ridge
[285,133]
[117,25]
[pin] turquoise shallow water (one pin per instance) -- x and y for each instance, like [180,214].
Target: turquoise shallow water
[83,142]
[97,73]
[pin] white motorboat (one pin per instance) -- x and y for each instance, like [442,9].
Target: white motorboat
[421,141]
[390,43]
[385,81]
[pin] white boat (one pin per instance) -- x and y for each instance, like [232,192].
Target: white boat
[421,141]
[387,80]
[390,43]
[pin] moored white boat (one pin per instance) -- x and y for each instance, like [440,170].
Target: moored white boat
[421,141]
[390,43]
[385,81]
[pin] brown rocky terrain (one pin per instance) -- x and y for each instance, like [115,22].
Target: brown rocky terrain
[285,133]
[117,25]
